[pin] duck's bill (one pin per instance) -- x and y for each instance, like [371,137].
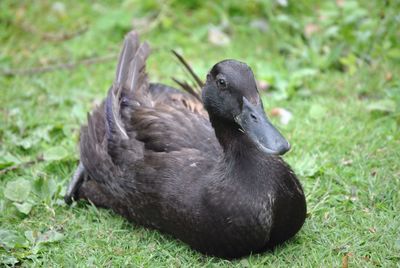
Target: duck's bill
[259,129]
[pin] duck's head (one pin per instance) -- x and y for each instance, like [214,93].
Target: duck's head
[230,94]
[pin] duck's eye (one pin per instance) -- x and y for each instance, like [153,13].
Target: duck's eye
[221,83]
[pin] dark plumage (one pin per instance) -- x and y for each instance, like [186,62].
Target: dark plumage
[210,177]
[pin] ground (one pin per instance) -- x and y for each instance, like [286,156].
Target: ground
[334,65]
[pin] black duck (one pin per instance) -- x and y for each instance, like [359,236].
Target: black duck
[203,169]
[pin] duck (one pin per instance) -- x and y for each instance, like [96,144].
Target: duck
[205,168]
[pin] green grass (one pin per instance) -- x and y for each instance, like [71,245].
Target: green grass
[341,84]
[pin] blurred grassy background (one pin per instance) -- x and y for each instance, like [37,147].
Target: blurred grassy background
[332,65]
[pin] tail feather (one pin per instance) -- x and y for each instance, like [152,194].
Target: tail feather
[130,86]
[127,54]
[137,78]
[130,89]
[106,135]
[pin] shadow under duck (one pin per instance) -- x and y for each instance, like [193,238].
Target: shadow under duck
[207,172]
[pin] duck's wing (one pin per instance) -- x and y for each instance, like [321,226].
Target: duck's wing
[190,95]
[139,120]
[166,95]
[106,144]
[140,132]
[139,117]
[163,118]
[177,119]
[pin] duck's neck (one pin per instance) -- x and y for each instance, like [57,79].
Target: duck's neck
[235,143]
[241,160]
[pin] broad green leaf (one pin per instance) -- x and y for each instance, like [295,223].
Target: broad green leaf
[38,240]
[7,159]
[27,143]
[23,207]
[331,31]
[42,133]
[385,106]
[305,72]
[55,154]
[394,53]
[44,188]
[17,190]
[50,237]
[11,239]
[8,260]
[32,236]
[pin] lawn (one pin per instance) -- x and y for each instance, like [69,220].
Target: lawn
[334,65]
